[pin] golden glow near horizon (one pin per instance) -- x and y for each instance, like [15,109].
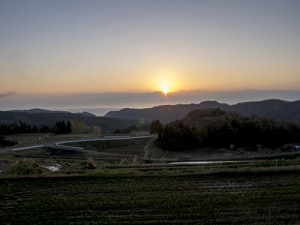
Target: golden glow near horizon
[165,88]
[165,81]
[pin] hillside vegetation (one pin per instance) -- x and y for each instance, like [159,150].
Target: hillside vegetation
[40,118]
[217,128]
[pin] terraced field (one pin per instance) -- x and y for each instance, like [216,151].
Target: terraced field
[232,197]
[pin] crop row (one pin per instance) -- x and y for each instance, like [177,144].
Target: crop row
[233,198]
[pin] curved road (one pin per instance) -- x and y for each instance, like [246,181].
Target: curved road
[62,143]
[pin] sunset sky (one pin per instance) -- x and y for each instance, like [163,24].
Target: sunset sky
[87,47]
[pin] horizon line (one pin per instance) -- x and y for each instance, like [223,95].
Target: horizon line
[15,93]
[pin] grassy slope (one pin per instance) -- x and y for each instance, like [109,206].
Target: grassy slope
[118,196]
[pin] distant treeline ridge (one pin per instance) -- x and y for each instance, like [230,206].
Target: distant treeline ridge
[18,127]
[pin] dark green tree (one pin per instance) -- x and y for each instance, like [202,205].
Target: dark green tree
[155,127]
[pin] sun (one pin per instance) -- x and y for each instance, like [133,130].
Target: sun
[165,88]
[165,83]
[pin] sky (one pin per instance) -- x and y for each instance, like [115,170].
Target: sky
[58,52]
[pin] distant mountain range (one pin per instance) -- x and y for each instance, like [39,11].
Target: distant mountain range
[277,109]
[47,117]
[273,108]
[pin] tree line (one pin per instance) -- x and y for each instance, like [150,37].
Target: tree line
[221,129]
[18,127]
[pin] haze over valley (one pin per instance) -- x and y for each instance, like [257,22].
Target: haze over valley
[101,103]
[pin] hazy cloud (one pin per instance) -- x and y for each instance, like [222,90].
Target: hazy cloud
[7,94]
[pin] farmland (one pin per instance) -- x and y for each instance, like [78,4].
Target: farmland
[119,182]
[155,195]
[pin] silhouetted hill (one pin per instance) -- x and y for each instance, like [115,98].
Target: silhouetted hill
[37,110]
[220,129]
[276,109]
[164,113]
[46,117]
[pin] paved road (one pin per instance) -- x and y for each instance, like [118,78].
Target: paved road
[28,147]
[107,138]
[62,144]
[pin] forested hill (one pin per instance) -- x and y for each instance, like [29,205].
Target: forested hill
[46,117]
[220,129]
[276,109]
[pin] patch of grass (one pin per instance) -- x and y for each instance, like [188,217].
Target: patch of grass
[100,145]
[109,144]
[152,151]
[26,167]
